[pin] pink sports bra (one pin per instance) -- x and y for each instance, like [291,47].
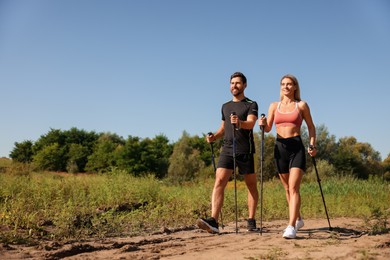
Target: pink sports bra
[292,119]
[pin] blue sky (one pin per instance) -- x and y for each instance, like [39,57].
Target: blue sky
[149,67]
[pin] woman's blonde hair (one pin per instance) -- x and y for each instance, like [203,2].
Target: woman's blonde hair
[297,93]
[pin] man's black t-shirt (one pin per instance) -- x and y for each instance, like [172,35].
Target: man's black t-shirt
[244,137]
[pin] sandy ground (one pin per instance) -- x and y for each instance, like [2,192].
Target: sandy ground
[347,240]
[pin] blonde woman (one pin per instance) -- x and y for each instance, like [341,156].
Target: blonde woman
[288,115]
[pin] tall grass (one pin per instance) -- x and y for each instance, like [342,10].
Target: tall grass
[53,206]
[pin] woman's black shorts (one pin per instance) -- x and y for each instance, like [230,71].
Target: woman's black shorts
[289,153]
[244,162]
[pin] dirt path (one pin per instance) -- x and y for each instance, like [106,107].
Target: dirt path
[347,241]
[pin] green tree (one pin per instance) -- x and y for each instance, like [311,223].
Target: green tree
[185,161]
[49,158]
[357,159]
[130,156]
[80,136]
[76,158]
[386,168]
[145,156]
[326,147]
[324,168]
[54,136]
[199,143]
[156,156]
[105,153]
[75,146]
[269,168]
[78,145]
[326,143]
[22,152]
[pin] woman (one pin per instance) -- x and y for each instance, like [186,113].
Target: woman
[289,153]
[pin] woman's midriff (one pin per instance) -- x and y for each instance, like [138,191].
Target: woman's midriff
[287,132]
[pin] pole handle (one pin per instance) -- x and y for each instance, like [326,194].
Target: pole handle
[210,134]
[262,127]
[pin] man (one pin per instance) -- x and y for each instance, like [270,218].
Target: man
[239,114]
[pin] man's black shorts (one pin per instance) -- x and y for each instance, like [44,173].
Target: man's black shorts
[244,162]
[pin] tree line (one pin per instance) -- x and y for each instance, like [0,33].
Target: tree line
[77,151]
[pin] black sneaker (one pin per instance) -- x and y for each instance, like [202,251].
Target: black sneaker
[251,225]
[209,224]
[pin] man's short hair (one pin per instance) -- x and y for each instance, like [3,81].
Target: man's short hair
[238,74]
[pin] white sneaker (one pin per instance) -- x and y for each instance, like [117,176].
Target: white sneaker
[290,232]
[299,224]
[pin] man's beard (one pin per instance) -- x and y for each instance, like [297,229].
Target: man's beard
[239,92]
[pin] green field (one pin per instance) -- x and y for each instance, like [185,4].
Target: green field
[37,205]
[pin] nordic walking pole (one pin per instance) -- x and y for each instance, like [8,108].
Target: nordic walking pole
[319,183]
[234,169]
[215,168]
[212,153]
[261,177]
